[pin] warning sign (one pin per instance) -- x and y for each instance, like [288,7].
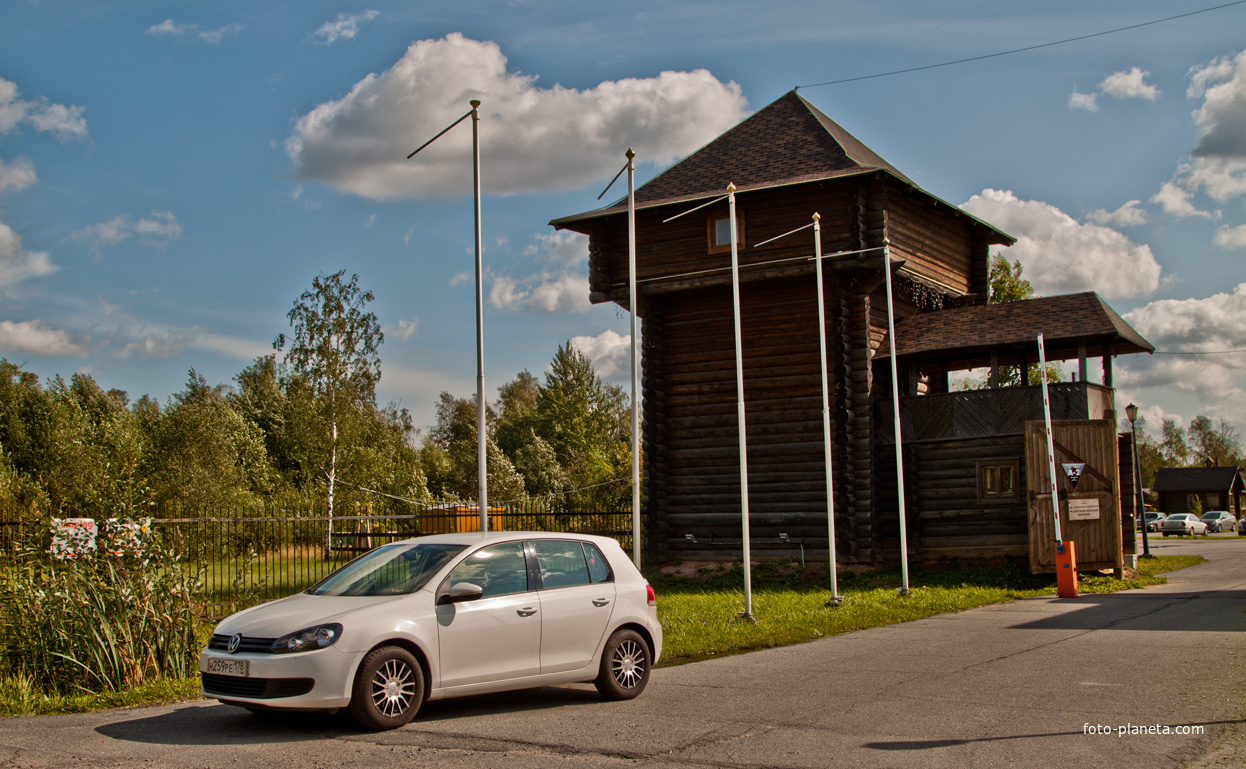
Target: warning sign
[1074,470]
[1083,509]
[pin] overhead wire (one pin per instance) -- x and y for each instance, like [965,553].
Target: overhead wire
[1026,48]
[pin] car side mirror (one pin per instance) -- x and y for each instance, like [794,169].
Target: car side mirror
[460,592]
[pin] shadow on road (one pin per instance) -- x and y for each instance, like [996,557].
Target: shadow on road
[229,725]
[1209,611]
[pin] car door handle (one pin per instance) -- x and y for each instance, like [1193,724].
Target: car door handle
[600,601]
[526,612]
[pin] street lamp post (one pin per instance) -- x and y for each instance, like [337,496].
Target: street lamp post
[1131,411]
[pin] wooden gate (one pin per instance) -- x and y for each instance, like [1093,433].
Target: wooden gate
[1094,524]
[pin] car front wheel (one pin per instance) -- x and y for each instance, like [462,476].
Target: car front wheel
[625,666]
[389,689]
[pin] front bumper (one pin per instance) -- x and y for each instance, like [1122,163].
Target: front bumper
[311,680]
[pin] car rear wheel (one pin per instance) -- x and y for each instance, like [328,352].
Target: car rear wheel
[389,689]
[625,663]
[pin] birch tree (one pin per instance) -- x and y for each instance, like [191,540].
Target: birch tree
[334,346]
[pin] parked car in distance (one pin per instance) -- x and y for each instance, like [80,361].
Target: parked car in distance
[1241,526]
[443,616]
[1182,524]
[1218,521]
[1153,520]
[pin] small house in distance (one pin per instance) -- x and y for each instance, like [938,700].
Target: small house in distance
[967,472]
[1213,488]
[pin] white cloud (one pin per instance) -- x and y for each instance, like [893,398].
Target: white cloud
[161,229]
[545,292]
[1129,215]
[18,264]
[1231,236]
[209,36]
[17,175]
[610,352]
[170,27]
[160,346]
[1129,84]
[63,122]
[403,331]
[1061,255]
[1179,201]
[1217,164]
[1126,84]
[561,248]
[1222,118]
[235,347]
[531,138]
[343,27]
[33,337]
[1213,324]
[1084,101]
[371,220]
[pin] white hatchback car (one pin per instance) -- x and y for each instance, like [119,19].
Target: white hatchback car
[443,616]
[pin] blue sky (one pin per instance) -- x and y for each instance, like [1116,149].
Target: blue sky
[173,175]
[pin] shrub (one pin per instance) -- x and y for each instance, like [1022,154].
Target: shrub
[107,621]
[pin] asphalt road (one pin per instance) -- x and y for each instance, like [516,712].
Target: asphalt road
[1016,685]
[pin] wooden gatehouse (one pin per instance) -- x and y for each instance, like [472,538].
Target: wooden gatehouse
[788,161]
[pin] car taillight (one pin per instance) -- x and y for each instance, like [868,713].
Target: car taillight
[653,599]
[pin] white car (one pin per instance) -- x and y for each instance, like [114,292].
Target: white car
[1182,524]
[443,616]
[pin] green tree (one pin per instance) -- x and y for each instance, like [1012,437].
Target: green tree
[586,422]
[450,455]
[1214,442]
[1175,450]
[205,454]
[334,346]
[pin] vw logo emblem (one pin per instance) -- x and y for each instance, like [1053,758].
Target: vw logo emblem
[235,641]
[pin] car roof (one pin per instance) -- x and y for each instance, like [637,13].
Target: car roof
[473,538]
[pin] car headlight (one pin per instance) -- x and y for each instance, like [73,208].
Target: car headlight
[308,639]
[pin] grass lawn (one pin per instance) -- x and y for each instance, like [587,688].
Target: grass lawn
[698,615]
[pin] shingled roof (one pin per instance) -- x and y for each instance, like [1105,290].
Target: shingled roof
[790,141]
[1064,321]
[1197,478]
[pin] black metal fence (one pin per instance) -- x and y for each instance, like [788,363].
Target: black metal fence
[243,557]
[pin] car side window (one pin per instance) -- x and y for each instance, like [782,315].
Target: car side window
[598,568]
[561,563]
[498,570]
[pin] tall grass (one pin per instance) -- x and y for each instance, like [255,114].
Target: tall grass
[98,623]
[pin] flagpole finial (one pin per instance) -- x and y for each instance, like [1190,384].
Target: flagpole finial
[817,216]
[475,103]
[631,153]
[731,187]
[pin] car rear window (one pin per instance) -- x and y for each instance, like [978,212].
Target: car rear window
[561,562]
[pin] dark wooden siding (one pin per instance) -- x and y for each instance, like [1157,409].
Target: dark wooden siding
[695,471]
[945,520]
[936,246]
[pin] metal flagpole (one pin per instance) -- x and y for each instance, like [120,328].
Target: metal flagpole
[739,388]
[836,599]
[482,471]
[739,380]
[635,301]
[826,413]
[895,407]
[481,456]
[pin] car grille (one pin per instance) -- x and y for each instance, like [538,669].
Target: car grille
[255,688]
[220,642]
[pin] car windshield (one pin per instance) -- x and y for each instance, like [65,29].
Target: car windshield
[390,570]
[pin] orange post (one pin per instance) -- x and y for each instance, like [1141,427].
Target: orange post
[1066,570]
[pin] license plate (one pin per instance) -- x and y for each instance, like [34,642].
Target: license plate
[224,667]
